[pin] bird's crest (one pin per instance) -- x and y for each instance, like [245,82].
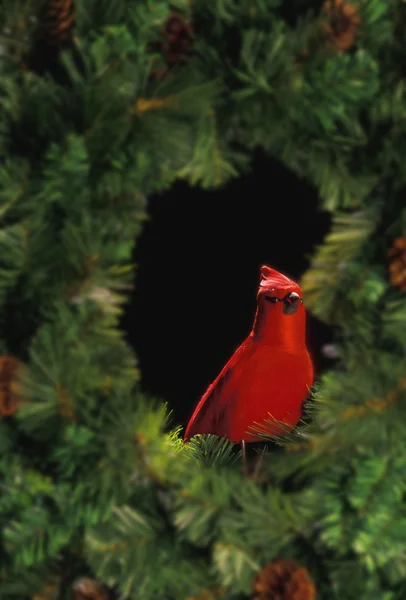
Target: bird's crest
[271,278]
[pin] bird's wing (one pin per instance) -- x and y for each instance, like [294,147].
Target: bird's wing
[210,413]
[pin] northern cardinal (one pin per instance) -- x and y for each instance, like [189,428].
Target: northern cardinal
[269,375]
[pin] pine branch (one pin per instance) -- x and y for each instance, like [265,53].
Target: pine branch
[324,284]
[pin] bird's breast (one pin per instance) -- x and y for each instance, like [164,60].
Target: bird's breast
[268,383]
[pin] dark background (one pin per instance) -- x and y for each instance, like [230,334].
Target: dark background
[198,265]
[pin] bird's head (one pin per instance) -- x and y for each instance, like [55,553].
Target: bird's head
[278,292]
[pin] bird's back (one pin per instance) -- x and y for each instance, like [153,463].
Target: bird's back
[213,408]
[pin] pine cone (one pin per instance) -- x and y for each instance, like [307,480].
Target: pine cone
[48,592]
[10,398]
[176,42]
[397,264]
[57,20]
[343,23]
[284,580]
[86,588]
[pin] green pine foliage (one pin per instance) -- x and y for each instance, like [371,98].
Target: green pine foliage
[92,478]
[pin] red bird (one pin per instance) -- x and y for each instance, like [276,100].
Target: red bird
[269,375]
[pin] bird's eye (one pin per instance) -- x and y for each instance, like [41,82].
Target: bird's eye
[291,303]
[292,298]
[272,299]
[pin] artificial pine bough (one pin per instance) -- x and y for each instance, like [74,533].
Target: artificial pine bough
[98,496]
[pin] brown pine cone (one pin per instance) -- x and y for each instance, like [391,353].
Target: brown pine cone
[284,580]
[56,21]
[178,34]
[175,44]
[10,397]
[86,588]
[343,23]
[397,263]
[48,592]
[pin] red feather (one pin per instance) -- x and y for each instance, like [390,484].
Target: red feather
[269,375]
